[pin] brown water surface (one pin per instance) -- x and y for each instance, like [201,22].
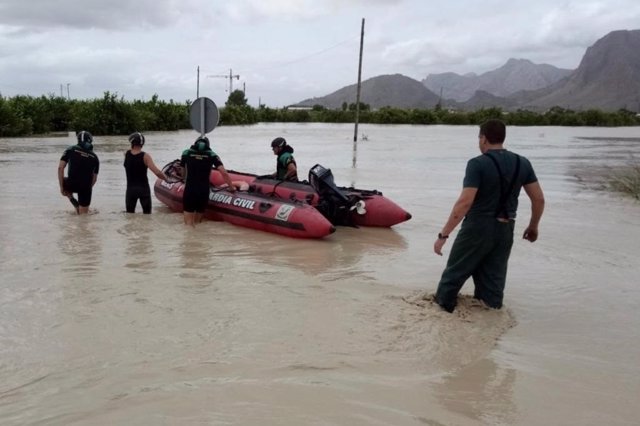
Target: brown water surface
[129,319]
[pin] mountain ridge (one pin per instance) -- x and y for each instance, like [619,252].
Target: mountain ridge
[394,90]
[515,75]
[607,78]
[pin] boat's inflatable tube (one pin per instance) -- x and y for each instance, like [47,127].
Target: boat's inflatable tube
[251,210]
[341,205]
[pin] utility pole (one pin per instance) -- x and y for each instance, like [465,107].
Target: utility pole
[355,132]
[231,76]
[439,104]
[198,82]
[68,96]
[61,95]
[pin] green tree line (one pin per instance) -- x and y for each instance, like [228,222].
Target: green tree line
[109,115]
[554,117]
[113,115]
[237,111]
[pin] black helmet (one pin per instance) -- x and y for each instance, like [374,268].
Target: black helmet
[85,139]
[136,138]
[278,143]
[201,143]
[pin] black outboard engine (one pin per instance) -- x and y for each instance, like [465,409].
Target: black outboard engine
[333,204]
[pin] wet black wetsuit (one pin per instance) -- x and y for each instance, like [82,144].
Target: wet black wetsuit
[197,165]
[137,182]
[83,164]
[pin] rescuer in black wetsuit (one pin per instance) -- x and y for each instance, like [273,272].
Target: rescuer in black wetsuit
[136,163]
[197,162]
[82,174]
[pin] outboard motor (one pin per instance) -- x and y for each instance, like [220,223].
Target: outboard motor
[333,204]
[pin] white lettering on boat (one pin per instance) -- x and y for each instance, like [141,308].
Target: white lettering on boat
[218,197]
[245,204]
[284,212]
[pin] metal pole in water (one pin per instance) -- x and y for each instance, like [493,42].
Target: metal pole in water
[355,132]
[203,125]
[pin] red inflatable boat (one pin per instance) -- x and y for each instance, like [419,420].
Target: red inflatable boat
[251,210]
[341,205]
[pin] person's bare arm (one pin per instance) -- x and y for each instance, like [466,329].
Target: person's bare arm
[148,161]
[535,194]
[292,170]
[227,179]
[458,212]
[61,166]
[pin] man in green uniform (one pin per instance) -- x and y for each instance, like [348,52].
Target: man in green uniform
[197,162]
[286,168]
[82,174]
[488,205]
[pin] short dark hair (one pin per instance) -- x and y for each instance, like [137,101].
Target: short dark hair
[494,130]
[278,142]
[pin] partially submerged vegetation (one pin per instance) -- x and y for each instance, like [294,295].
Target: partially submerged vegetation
[27,115]
[627,180]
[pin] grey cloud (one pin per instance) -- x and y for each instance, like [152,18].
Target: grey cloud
[40,15]
[287,10]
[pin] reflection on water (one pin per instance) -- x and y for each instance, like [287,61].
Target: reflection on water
[194,252]
[80,242]
[340,255]
[138,248]
[482,391]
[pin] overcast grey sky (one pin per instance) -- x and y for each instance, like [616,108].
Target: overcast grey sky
[283,50]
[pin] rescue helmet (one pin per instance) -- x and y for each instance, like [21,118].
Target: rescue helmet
[136,138]
[278,143]
[85,139]
[202,143]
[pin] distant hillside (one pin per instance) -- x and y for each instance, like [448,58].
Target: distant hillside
[514,76]
[608,78]
[386,90]
[482,99]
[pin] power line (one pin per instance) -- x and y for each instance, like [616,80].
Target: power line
[296,60]
[293,61]
[279,64]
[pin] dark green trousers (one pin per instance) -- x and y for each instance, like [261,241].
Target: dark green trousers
[481,250]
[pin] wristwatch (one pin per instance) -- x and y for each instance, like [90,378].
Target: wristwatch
[442,237]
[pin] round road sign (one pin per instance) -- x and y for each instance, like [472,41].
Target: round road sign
[203,115]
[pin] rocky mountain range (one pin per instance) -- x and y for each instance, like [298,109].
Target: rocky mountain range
[515,75]
[607,78]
